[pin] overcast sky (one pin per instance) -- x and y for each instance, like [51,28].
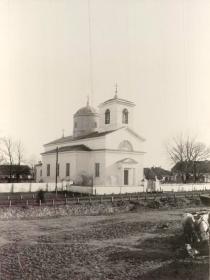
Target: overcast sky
[158,51]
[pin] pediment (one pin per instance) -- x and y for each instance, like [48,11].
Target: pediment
[127,161]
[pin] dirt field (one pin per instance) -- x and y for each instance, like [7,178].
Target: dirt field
[138,245]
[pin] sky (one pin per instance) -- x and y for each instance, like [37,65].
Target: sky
[156,50]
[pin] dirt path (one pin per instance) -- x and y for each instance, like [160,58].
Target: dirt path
[140,245]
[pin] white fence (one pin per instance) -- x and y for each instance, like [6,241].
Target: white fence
[117,189]
[33,187]
[183,187]
[80,189]
[28,187]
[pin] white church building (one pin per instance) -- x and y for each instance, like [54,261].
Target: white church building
[104,151]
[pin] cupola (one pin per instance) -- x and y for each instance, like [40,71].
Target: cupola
[86,120]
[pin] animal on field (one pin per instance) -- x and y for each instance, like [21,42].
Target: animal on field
[190,230]
[202,226]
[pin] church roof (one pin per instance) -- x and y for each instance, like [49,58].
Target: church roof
[71,138]
[118,100]
[68,149]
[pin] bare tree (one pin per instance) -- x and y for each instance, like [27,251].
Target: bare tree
[11,153]
[185,152]
[19,151]
[32,161]
[175,149]
[7,152]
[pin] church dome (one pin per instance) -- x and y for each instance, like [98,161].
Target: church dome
[86,121]
[87,110]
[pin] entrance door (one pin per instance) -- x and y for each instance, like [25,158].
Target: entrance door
[126,176]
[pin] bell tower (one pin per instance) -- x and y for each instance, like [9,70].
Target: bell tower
[115,113]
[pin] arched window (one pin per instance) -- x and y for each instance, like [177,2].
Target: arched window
[107,116]
[125,116]
[126,146]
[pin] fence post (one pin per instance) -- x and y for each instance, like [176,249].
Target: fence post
[27,202]
[10,203]
[78,200]
[53,202]
[101,199]
[112,199]
[40,202]
[66,201]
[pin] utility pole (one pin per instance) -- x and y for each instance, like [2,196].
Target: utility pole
[56,173]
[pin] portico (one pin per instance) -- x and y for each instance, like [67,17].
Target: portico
[127,168]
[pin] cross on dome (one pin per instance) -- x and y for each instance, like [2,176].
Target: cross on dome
[88,101]
[116,90]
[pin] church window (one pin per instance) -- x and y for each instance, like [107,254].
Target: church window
[107,116]
[125,116]
[67,169]
[40,172]
[95,124]
[97,169]
[126,146]
[48,170]
[75,124]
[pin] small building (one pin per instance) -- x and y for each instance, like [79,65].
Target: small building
[15,173]
[104,149]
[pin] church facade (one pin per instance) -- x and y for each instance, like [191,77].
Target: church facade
[104,149]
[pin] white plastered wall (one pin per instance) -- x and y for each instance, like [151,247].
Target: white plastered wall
[115,116]
[114,171]
[114,139]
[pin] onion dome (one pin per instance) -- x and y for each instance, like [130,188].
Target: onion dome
[87,110]
[86,121]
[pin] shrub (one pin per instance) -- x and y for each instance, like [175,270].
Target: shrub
[40,196]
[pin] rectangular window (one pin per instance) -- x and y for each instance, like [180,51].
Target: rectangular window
[40,172]
[126,176]
[97,169]
[48,169]
[67,169]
